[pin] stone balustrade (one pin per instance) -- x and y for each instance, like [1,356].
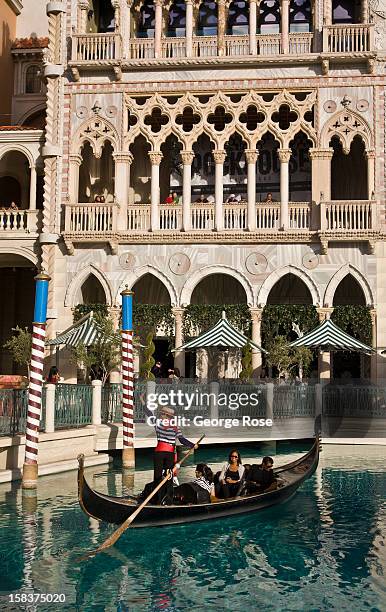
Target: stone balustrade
[96,47]
[19,221]
[358,38]
[349,215]
[95,217]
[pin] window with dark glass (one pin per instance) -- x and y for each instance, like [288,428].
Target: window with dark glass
[300,16]
[33,81]
[269,22]
[207,19]
[238,18]
[146,21]
[345,11]
[177,19]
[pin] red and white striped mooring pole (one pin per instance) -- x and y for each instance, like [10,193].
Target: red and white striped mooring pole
[128,456]
[30,467]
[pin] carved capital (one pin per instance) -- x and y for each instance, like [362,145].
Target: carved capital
[158,3]
[178,313]
[373,315]
[321,153]
[75,159]
[251,156]
[370,154]
[255,314]
[155,157]
[324,313]
[187,157]
[219,156]
[284,155]
[124,158]
[84,5]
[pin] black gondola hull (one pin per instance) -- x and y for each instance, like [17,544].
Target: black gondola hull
[117,509]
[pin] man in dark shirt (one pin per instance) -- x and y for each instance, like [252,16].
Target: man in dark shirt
[260,477]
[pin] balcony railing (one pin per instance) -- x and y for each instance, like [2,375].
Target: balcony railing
[19,221]
[348,38]
[142,48]
[236,45]
[202,216]
[95,47]
[173,47]
[299,215]
[138,218]
[350,215]
[96,217]
[205,46]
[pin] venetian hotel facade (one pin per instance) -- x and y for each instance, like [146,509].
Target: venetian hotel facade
[223,102]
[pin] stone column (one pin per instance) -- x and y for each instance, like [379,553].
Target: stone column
[73,178]
[284,157]
[158,29]
[324,357]
[251,157]
[83,8]
[256,337]
[252,27]
[374,356]
[123,162]
[321,184]
[370,156]
[221,25]
[32,188]
[219,158]
[285,27]
[189,28]
[365,11]
[327,12]
[179,356]
[155,159]
[187,160]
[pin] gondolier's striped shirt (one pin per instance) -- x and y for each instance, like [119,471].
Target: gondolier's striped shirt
[169,434]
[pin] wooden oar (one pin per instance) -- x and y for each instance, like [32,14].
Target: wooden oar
[110,541]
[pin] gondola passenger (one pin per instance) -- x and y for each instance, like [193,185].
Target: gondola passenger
[231,476]
[200,490]
[260,477]
[204,479]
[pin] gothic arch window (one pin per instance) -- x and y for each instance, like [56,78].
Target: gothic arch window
[300,16]
[33,81]
[146,20]
[92,291]
[207,19]
[348,171]
[177,19]
[269,22]
[345,11]
[101,16]
[238,18]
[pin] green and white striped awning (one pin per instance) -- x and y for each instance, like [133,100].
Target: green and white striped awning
[223,334]
[85,331]
[329,337]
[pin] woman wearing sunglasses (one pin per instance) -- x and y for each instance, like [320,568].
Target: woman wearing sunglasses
[230,476]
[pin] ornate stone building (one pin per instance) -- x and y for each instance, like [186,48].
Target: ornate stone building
[212,152]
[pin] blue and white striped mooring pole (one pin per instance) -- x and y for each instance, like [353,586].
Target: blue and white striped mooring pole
[128,456]
[30,467]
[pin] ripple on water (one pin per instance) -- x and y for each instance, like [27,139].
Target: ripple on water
[323,550]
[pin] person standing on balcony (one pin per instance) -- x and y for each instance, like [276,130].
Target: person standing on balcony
[169,199]
[269,199]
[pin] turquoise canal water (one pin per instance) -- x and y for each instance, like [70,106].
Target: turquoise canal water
[323,550]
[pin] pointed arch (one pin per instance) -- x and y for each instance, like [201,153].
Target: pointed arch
[96,131]
[339,276]
[142,271]
[77,282]
[199,275]
[347,124]
[275,276]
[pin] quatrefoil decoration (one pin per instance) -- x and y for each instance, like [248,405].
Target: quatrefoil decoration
[131,120]
[284,117]
[156,120]
[252,117]
[220,118]
[188,119]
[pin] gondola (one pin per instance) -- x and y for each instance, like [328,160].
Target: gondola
[117,509]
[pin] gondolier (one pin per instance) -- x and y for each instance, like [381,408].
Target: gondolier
[164,453]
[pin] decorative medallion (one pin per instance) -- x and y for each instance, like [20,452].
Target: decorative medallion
[362,105]
[82,112]
[127,260]
[256,263]
[310,260]
[179,263]
[111,111]
[330,106]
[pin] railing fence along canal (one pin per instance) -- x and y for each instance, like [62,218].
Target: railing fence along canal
[69,406]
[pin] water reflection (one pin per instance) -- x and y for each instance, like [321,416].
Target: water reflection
[324,549]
